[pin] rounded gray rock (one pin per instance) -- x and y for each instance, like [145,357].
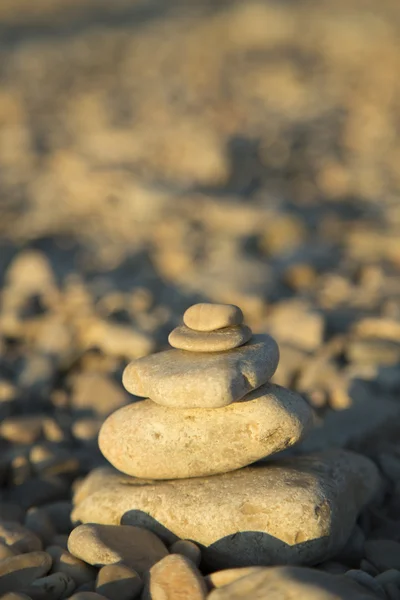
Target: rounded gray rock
[147,440]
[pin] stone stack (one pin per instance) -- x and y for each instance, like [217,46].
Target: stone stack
[184,452]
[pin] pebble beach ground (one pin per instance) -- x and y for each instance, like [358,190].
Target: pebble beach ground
[155,155]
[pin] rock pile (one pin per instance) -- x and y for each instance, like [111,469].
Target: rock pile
[185,454]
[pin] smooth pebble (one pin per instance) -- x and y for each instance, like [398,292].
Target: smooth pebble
[102,545]
[151,441]
[182,379]
[175,576]
[228,338]
[118,582]
[210,317]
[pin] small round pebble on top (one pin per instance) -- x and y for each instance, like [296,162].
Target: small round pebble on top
[209,317]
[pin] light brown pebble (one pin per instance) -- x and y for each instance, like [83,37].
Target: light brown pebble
[37,521]
[87,596]
[51,587]
[180,379]
[22,429]
[87,429]
[96,394]
[118,582]
[269,419]
[227,576]
[64,562]
[366,580]
[210,317]
[175,576]
[6,552]
[19,538]
[389,576]
[18,572]
[228,338]
[294,583]
[384,554]
[187,548]
[102,545]
[47,460]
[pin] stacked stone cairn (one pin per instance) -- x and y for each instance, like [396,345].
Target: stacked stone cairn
[193,460]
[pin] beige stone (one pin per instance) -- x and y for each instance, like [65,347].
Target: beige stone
[221,340]
[65,562]
[151,441]
[203,380]
[227,576]
[175,576]
[102,545]
[187,548]
[18,537]
[118,582]
[96,394]
[289,583]
[298,511]
[18,572]
[209,317]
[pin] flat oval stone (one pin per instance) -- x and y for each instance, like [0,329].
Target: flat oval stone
[19,538]
[102,545]
[209,317]
[203,379]
[284,583]
[18,572]
[228,338]
[289,511]
[151,441]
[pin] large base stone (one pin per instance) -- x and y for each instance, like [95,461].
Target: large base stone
[295,511]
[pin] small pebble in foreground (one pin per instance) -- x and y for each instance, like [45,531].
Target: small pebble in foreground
[101,545]
[174,577]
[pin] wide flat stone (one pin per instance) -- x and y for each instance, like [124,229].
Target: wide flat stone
[228,338]
[292,511]
[287,583]
[209,317]
[147,440]
[203,380]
